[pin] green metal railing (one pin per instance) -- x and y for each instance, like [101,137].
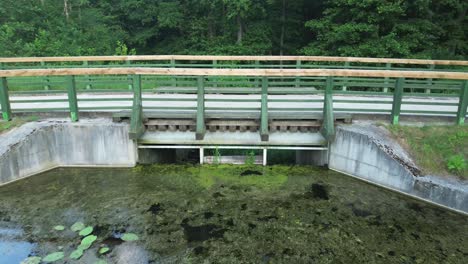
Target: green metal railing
[188,86]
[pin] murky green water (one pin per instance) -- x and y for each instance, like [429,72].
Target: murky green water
[224,214]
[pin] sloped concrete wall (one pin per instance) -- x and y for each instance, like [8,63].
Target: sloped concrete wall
[367,152]
[40,146]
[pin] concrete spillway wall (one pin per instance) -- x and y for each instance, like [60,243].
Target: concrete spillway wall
[41,146]
[368,153]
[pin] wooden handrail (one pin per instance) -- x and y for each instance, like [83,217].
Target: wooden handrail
[236,72]
[233,58]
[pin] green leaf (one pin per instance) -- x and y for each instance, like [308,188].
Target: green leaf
[104,250]
[53,257]
[129,237]
[59,228]
[32,260]
[88,230]
[76,254]
[87,242]
[78,226]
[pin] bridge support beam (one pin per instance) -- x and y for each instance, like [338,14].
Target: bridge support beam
[4,99]
[201,127]
[136,123]
[463,104]
[72,98]
[397,99]
[264,134]
[328,126]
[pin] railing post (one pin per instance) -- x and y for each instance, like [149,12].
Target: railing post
[345,86]
[257,79]
[136,123]
[72,98]
[88,79]
[215,79]
[264,134]
[5,99]
[328,126]
[429,81]
[130,77]
[298,79]
[388,66]
[46,79]
[463,104]
[173,79]
[201,128]
[397,100]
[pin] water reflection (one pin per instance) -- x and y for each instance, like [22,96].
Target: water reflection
[12,248]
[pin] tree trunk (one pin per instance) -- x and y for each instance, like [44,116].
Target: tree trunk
[283,27]
[240,31]
[66,9]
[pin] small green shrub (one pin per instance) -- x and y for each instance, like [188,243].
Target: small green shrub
[217,156]
[456,163]
[250,159]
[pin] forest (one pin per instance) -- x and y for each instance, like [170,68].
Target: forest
[430,29]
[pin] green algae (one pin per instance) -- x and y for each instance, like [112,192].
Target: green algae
[196,214]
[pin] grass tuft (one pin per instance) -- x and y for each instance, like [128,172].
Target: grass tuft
[441,150]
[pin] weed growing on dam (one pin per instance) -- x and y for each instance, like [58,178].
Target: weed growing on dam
[222,214]
[439,150]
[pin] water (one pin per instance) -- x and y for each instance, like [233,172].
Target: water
[224,214]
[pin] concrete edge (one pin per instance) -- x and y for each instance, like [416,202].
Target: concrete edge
[66,166]
[403,193]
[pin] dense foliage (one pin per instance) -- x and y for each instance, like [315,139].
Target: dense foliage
[378,28]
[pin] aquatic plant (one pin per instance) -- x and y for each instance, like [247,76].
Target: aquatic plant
[129,237]
[87,242]
[86,231]
[104,250]
[76,254]
[32,260]
[59,228]
[78,226]
[53,257]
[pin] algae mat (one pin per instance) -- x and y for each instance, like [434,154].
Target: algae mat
[220,214]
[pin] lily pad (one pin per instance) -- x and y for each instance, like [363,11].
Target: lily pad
[86,231]
[78,226]
[104,250]
[87,242]
[129,237]
[76,254]
[53,257]
[59,228]
[32,260]
[101,261]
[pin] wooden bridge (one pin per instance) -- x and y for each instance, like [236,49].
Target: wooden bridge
[241,101]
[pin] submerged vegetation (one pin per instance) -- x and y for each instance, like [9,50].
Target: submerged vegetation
[437,149]
[224,214]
